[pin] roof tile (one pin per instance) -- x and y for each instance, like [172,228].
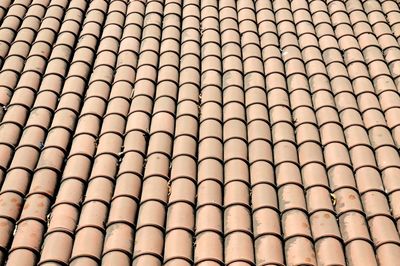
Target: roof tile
[184,132]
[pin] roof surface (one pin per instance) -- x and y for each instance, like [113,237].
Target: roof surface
[213,132]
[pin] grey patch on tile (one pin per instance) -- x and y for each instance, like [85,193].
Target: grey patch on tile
[225,79]
[327,55]
[247,80]
[148,19]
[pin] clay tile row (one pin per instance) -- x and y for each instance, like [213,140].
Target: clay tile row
[25,145]
[56,214]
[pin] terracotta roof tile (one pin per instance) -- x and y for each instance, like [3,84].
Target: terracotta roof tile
[188,132]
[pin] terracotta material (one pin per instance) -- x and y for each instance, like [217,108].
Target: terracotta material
[189,132]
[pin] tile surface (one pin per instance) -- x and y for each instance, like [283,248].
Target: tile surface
[199,132]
